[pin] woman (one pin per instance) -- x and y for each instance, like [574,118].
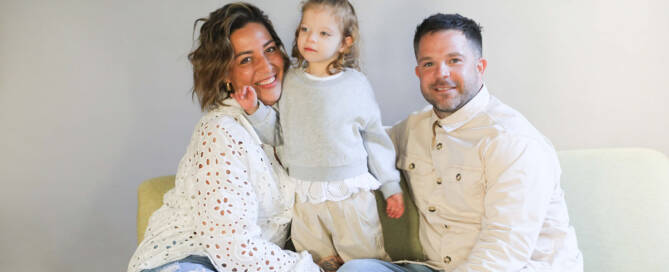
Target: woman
[230,208]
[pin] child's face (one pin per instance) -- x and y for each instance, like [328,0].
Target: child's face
[320,38]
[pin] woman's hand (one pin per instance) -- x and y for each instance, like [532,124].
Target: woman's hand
[247,98]
[395,206]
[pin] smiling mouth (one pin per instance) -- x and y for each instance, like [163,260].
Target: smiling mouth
[266,82]
[443,88]
[307,49]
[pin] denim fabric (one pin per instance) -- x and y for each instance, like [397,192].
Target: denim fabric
[374,265]
[192,263]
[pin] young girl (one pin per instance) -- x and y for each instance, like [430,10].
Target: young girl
[334,146]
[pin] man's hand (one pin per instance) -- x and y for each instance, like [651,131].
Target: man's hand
[395,205]
[247,98]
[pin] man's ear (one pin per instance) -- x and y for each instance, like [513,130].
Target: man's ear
[417,73]
[346,44]
[481,65]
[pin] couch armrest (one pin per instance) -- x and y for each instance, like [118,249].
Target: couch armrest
[150,198]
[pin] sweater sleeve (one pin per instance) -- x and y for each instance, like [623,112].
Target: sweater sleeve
[226,206]
[380,150]
[265,121]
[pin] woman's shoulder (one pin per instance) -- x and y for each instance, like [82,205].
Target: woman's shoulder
[217,117]
[220,121]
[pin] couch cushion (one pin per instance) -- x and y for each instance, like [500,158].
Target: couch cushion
[616,199]
[400,235]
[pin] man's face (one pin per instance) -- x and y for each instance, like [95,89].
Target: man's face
[450,70]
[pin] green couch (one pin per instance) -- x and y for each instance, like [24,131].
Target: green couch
[617,202]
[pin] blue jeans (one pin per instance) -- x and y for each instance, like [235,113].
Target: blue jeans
[190,263]
[374,265]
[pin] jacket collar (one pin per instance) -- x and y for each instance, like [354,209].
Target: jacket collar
[230,106]
[464,114]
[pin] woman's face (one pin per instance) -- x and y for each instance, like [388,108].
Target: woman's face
[257,62]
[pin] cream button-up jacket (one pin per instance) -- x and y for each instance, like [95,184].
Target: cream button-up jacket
[487,187]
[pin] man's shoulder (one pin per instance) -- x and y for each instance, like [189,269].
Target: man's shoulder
[415,118]
[508,126]
[399,132]
[509,121]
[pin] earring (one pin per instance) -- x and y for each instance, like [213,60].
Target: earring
[228,87]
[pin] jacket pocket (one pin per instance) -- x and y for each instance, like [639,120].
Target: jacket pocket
[412,165]
[469,185]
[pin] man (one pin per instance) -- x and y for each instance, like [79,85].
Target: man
[486,183]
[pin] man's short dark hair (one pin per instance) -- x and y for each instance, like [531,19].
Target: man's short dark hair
[440,21]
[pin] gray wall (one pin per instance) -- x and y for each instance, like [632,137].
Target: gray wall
[94,98]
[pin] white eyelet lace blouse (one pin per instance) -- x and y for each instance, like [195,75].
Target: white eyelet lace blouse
[231,202]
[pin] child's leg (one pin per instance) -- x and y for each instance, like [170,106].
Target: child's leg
[309,232]
[357,229]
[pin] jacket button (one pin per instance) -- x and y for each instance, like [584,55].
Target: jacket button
[458,177]
[445,226]
[432,209]
[447,259]
[412,166]
[439,146]
[438,180]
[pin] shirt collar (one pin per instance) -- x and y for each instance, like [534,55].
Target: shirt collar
[464,114]
[231,107]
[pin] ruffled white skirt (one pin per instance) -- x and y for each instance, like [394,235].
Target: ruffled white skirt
[321,191]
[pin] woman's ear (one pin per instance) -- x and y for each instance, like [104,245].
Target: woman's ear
[346,44]
[227,84]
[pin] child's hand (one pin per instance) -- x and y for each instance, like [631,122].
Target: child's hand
[395,206]
[247,98]
[331,263]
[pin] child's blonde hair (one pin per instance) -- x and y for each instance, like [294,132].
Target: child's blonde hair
[348,21]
